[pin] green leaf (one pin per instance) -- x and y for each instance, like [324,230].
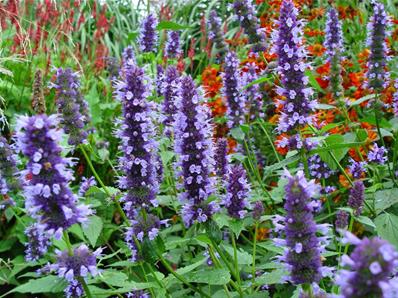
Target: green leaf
[361,100]
[387,227]
[47,284]
[189,268]
[238,134]
[323,106]
[244,258]
[168,25]
[366,221]
[258,81]
[209,277]
[385,198]
[313,82]
[333,140]
[270,169]
[93,229]
[114,278]
[270,278]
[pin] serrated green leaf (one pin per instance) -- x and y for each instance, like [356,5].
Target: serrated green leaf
[93,229]
[385,198]
[47,284]
[209,277]
[387,227]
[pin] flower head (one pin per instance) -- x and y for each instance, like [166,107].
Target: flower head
[357,197]
[377,154]
[357,168]
[341,219]
[38,101]
[169,90]
[8,169]
[148,37]
[85,185]
[173,48]
[216,34]
[38,241]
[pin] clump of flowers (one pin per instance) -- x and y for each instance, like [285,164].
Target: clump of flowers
[148,38]
[318,168]
[169,90]
[237,192]
[245,13]
[369,269]
[8,168]
[377,154]
[357,168]
[357,197]
[193,146]
[173,48]
[138,162]
[216,34]
[232,86]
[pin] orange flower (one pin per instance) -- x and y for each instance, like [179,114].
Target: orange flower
[316,49]
[313,32]
[218,107]
[212,82]
[281,151]
[262,234]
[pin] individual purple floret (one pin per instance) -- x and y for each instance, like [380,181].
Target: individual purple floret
[138,162]
[303,246]
[74,289]
[72,267]
[159,80]
[173,47]
[232,86]
[318,169]
[297,103]
[71,105]
[215,33]
[245,13]
[377,76]
[169,90]
[221,158]
[8,168]
[49,198]
[334,48]
[357,168]
[258,210]
[85,185]
[193,145]
[138,294]
[148,38]
[357,197]
[377,154]
[370,268]
[253,94]
[341,219]
[38,241]
[237,192]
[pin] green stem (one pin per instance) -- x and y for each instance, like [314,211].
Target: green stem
[235,258]
[85,287]
[68,244]
[254,253]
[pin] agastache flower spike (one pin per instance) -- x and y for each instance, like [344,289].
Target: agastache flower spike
[254,96]
[232,86]
[159,80]
[173,47]
[148,36]
[377,76]
[215,33]
[395,99]
[357,197]
[137,133]
[245,13]
[8,168]
[334,46]
[38,241]
[49,198]
[169,91]
[357,168]
[221,158]
[341,219]
[369,269]
[38,101]
[297,103]
[128,56]
[193,146]
[71,105]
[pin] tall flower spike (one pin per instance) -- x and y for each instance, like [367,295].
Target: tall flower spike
[38,241]
[8,168]
[254,96]
[71,105]
[215,33]
[370,267]
[334,46]
[297,103]
[148,38]
[357,197]
[221,158]
[395,99]
[38,101]
[303,247]
[173,47]
[49,198]
[128,56]
[238,190]
[232,86]
[377,75]
[137,133]
[245,13]
[169,91]
[193,146]
[159,80]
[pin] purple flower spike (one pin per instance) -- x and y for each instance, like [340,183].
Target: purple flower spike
[238,190]
[148,38]
[138,163]
[368,269]
[159,79]
[216,34]
[357,197]
[128,56]
[341,219]
[297,103]
[303,247]
[357,168]
[8,168]
[71,105]
[245,13]
[193,146]
[334,46]
[258,210]
[173,47]
[395,99]
[221,158]
[318,169]
[377,154]
[49,198]
[377,76]
[85,185]
[232,86]
[39,241]
[169,91]
[254,96]
[138,294]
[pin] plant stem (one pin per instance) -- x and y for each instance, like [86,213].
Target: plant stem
[235,258]
[85,287]
[254,253]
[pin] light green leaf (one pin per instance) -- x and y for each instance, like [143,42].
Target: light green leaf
[387,227]
[168,25]
[47,284]
[385,198]
[210,277]
[93,229]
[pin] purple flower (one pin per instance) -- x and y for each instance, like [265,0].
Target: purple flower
[221,158]
[128,56]
[216,34]
[245,13]
[357,168]
[49,198]
[377,154]
[318,169]
[113,67]
[369,269]
[258,210]
[148,38]
[297,103]
[254,96]
[341,219]
[8,168]
[138,162]
[232,86]
[334,47]
[169,90]
[303,247]
[159,79]
[357,197]
[377,76]
[71,105]
[237,192]
[173,47]
[193,146]
[38,241]
[295,142]
[85,185]
[38,101]
[138,294]
[395,99]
